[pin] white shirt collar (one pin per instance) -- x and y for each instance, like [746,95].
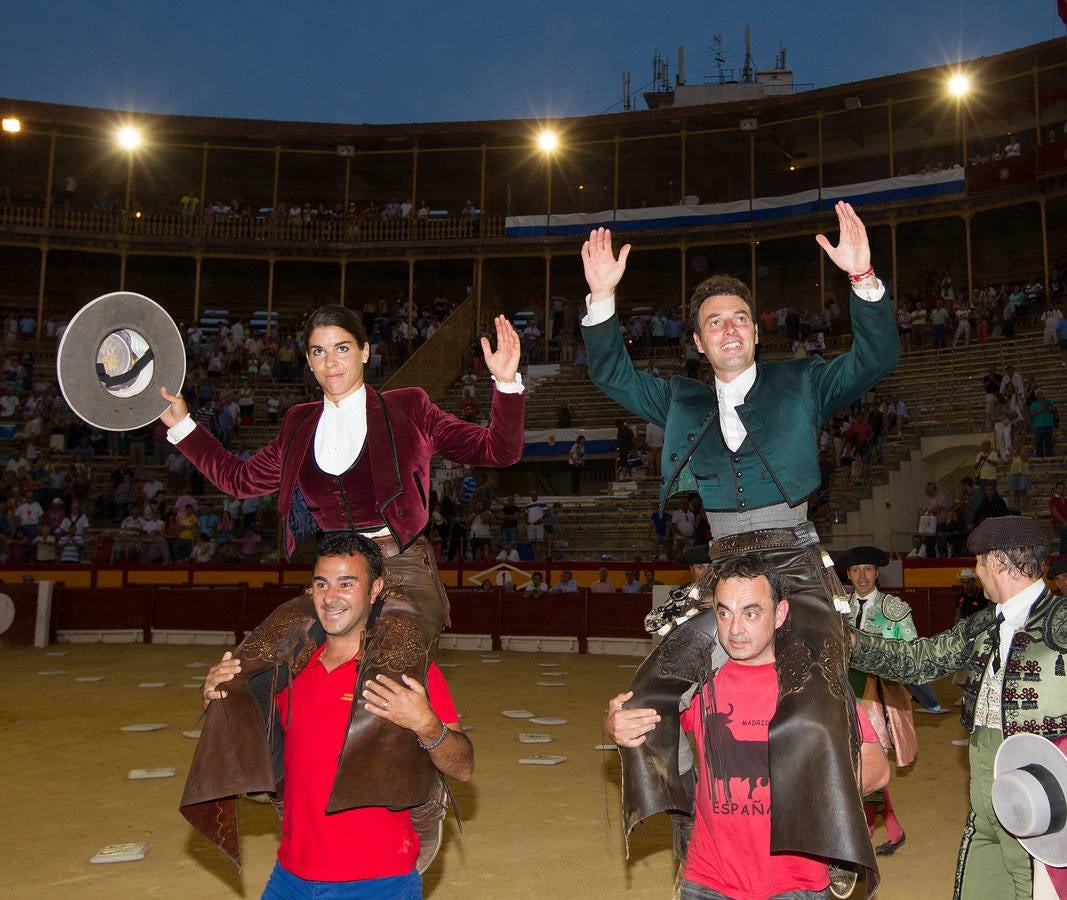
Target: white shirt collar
[866,597]
[1016,609]
[736,390]
[354,402]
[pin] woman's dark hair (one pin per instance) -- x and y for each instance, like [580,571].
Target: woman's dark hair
[717,286]
[339,316]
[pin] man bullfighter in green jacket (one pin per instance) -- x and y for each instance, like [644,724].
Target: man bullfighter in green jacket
[747,445]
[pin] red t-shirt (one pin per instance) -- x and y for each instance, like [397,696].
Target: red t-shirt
[368,842]
[730,848]
[1057,510]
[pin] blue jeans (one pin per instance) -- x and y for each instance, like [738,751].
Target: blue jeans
[693,891]
[283,885]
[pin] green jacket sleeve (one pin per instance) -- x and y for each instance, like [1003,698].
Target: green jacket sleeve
[613,372]
[923,660]
[874,352]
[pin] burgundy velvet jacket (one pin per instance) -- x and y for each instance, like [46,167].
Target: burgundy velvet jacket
[404,430]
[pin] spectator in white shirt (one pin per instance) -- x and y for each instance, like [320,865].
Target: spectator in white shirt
[536,586]
[683,525]
[76,521]
[508,554]
[566,583]
[29,513]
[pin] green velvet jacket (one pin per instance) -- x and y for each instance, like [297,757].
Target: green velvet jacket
[1034,694]
[789,401]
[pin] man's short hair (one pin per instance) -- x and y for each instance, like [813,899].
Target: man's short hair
[717,286]
[1022,562]
[352,543]
[749,565]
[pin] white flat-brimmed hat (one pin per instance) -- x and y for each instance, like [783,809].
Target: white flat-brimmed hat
[115,355]
[1029,798]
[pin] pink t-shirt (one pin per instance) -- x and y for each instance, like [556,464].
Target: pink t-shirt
[730,848]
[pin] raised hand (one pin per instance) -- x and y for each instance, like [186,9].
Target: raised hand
[504,363]
[603,271]
[852,255]
[178,409]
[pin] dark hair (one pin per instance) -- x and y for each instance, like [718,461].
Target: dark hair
[750,565]
[352,543]
[717,286]
[339,316]
[1023,562]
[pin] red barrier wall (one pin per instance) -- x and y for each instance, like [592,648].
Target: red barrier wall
[239,609]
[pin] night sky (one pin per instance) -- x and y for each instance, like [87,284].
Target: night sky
[421,61]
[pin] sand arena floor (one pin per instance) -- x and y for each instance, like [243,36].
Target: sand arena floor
[529,831]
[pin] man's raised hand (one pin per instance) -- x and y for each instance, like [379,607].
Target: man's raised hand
[603,271]
[852,255]
[504,362]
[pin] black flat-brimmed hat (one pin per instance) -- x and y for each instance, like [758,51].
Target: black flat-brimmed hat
[864,556]
[115,355]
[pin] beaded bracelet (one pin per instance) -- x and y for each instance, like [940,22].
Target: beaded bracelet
[855,279]
[437,743]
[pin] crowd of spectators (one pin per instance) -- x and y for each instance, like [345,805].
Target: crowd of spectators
[930,316]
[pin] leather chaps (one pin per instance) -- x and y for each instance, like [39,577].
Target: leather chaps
[241,744]
[813,738]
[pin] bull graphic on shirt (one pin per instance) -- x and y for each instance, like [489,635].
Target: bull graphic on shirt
[729,757]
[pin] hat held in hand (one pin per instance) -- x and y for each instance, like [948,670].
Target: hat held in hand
[115,355]
[1030,774]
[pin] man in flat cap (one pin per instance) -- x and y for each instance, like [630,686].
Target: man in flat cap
[1016,683]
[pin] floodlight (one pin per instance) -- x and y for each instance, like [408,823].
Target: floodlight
[129,138]
[959,85]
[548,141]
[12,125]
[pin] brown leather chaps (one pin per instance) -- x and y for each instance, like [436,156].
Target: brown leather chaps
[241,744]
[813,740]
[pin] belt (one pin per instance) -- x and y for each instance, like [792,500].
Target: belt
[803,535]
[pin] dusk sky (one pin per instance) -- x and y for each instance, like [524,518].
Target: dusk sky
[422,61]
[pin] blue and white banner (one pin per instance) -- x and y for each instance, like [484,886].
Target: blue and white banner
[557,442]
[884,190]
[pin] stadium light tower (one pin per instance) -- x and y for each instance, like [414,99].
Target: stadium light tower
[548,142]
[959,86]
[129,139]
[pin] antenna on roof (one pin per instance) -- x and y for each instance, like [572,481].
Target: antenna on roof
[718,58]
[748,70]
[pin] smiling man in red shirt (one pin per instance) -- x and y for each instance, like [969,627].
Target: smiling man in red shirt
[367,853]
